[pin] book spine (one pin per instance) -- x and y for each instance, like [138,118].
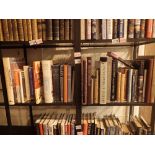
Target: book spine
[24,21]
[10,30]
[66,29]
[43,21]
[65,83]
[37,74]
[109,28]
[89,68]
[69,83]
[83,81]
[49,33]
[62,82]
[144,85]
[103,80]
[114,79]
[92,91]
[125,28]
[119,75]
[5,29]
[56,82]
[149,26]
[129,84]
[29,29]
[131,28]
[96,88]
[15,30]
[47,80]
[153,33]
[88,29]
[120,28]
[104,29]
[20,29]
[137,28]
[71,29]
[34,29]
[93,29]
[39,26]
[55,27]
[115,29]
[82,29]
[1,31]
[152,96]
[142,28]
[62,28]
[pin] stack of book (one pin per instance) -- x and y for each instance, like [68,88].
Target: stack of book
[33,29]
[65,124]
[44,82]
[103,81]
[100,29]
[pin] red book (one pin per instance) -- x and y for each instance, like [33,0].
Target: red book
[149,28]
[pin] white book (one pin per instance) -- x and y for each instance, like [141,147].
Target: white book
[50,124]
[109,28]
[125,28]
[104,29]
[153,27]
[45,125]
[103,80]
[47,80]
[82,29]
[27,83]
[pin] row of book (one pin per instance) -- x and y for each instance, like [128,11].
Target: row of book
[100,29]
[44,82]
[65,124]
[105,81]
[33,29]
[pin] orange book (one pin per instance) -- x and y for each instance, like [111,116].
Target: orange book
[85,127]
[149,28]
[41,129]
[65,84]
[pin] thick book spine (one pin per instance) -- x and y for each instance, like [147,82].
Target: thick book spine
[103,80]
[93,29]
[109,28]
[55,27]
[131,28]
[142,28]
[47,80]
[114,79]
[56,82]
[43,21]
[39,26]
[89,68]
[38,84]
[115,25]
[120,28]
[62,29]
[104,29]
[149,26]
[29,29]
[34,29]
[66,29]
[5,29]
[62,82]
[15,30]
[25,29]
[65,83]
[49,33]
[129,84]
[137,28]
[88,29]
[82,29]
[20,29]
[69,83]
[10,30]
[153,33]
[1,31]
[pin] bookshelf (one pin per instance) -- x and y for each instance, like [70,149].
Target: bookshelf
[77,44]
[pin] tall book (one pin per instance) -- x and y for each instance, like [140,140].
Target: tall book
[39,26]
[1,32]
[149,26]
[118,92]
[82,29]
[20,29]
[10,30]
[15,30]
[49,32]
[125,28]
[137,28]
[34,29]
[130,28]
[109,28]
[62,82]
[47,80]
[38,82]
[55,27]
[43,29]
[5,29]
[142,28]
[24,21]
[115,25]
[69,83]
[71,29]
[120,28]
[62,29]
[104,29]
[29,29]
[153,33]
[93,29]
[129,84]
[65,83]
[88,29]
[66,29]
[103,80]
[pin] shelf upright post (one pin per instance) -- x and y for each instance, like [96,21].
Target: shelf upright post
[77,79]
[6,101]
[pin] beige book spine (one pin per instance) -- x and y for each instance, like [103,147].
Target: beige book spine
[96,88]
[34,29]
[122,88]
[109,28]
[5,29]
[10,30]
[82,29]
[25,29]
[20,29]
[152,98]
[29,29]
[119,86]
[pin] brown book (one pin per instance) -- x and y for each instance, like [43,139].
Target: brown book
[66,29]
[5,29]
[49,33]
[61,29]
[34,29]
[149,28]
[55,27]
[39,26]
[142,28]
[25,29]
[29,29]
[1,31]
[65,84]
[118,93]
[10,29]
[44,29]
[20,29]
[98,29]
[15,30]
[96,87]
[70,29]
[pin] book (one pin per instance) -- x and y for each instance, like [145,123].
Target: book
[39,26]
[88,29]
[47,80]
[62,28]
[5,29]
[71,32]
[120,28]
[109,28]
[142,28]
[34,29]
[20,29]
[118,93]
[1,32]
[29,29]
[44,29]
[62,82]
[82,21]
[10,30]
[65,83]
[115,29]
[25,29]
[149,26]
[15,30]
[104,29]
[69,83]
[49,32]
[129,84]
[93,29]
[131,23]
[153,29]
[125,28]
[66,29]
[137,28]
[55,27]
